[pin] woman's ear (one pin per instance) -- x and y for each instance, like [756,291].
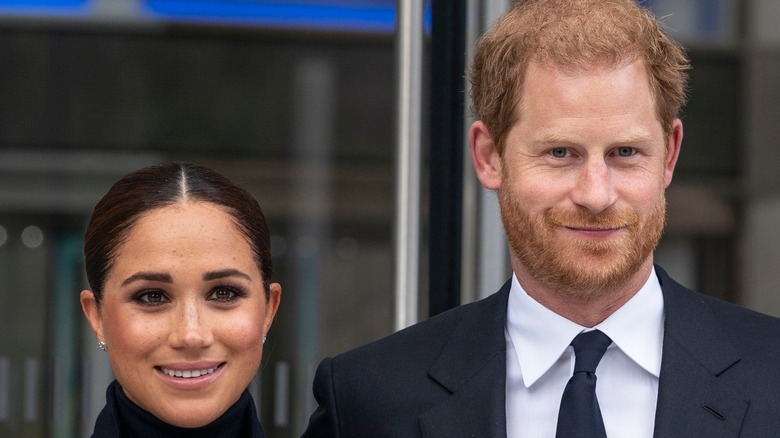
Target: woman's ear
[91,310]
[272,305]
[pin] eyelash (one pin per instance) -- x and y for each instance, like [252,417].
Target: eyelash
[237,294]
[567,153]
[630,150]
[142,297]
[564,150]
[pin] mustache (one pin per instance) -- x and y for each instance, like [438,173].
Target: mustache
[584,219]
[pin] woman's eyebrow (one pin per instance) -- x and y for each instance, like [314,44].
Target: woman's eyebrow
[148,276]
[214,275]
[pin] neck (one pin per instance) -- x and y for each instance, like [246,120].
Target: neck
[240,420]
[587,310]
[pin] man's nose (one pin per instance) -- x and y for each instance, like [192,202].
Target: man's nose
[594,188]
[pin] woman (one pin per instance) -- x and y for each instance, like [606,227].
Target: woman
[178,259]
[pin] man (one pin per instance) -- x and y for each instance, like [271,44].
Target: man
[578,134]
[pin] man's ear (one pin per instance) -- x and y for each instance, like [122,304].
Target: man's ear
[484,155]
[90,307]
[673,145]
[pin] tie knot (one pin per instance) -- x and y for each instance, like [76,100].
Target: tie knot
[589,348]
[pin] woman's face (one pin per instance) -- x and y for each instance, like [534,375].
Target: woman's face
[183,313]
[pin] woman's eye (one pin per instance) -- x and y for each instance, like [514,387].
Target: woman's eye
[151,298]
[625,151]
[224,294]
[559,153]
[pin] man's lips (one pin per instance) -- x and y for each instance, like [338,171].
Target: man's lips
[595,233]
[593,229]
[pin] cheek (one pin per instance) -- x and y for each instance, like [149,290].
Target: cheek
[538,194]
[132,342]
[135,335]
[644,193]
[644,184]
[243,332]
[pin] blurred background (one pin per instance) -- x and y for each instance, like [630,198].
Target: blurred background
[298,102]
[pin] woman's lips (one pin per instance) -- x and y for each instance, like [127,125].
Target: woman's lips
[188,374]
[190,378]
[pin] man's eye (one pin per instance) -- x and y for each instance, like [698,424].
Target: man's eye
[559,152]
[224,294]
[151,298]
[625,151]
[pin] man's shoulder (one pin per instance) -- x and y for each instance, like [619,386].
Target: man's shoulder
[721,307]
[748,329]
[742,315]
[714,349]
[384,388]
[423,341]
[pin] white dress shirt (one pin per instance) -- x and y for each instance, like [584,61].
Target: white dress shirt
[540,361]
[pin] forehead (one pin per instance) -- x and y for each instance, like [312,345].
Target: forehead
[178,217]
[587,90]
[196,230]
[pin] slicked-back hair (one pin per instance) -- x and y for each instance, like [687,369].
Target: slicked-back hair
[573,35]
[160,186]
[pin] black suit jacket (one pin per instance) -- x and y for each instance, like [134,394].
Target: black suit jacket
[445,377]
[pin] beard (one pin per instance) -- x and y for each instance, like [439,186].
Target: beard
[583,269]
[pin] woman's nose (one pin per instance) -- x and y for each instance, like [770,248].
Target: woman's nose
[190,327]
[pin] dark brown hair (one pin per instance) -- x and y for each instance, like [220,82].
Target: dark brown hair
[574,35]
[159,186]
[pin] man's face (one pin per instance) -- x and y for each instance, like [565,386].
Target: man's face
[582,178]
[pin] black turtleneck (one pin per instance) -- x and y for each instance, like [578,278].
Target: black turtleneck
[121,418]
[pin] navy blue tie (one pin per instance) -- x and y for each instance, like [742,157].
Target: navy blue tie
[580,416]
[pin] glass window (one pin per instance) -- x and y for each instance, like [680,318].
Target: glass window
[302,119]
[699,21]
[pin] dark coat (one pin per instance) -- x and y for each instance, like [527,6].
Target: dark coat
[121,418]
[446,377]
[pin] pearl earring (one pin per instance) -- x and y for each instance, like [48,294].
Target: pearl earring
[264,337]
[102,345]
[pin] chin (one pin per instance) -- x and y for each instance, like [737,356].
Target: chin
[190,412]
[191,419]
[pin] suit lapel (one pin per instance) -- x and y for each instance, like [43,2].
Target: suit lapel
[696,351]
[472,367]
[691,400]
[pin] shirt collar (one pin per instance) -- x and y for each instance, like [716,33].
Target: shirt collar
[540,336]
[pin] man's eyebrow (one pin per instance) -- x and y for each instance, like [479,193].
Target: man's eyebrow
[634,137]
[557,137]
[554,137]
[214,275]
[148,276]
